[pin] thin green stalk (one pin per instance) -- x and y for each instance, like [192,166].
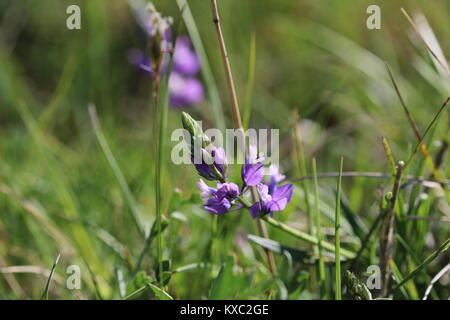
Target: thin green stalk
[237,115]
[47,286]
[157,173]
[426,262]
[321,265]
[337,233]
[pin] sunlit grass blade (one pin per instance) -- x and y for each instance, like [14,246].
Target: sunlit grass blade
[440,60]
[436,278]
[128,196]
[426,262]
[161,294]
[47,286]
[312,239]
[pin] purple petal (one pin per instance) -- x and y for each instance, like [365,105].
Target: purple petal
[263,191]
[206,191]
[227,190]
[277,205]
[205,171]
[283,192]
[184,91]
[217,206]
[220,158]
[185,60]
[252,174]
[255,210]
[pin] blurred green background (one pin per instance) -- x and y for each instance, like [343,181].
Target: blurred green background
[58,193]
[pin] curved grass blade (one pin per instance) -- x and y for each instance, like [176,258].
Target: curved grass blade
[47,286]
[426,262]
[274,246]
[128,196]
[307,237]
[161,294]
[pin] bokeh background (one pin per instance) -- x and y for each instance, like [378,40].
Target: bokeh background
[58,193]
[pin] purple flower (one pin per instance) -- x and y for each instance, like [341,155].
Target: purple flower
[252,171]
[217,206]
[185,60]
[272,198]
[228,190]
[211,166]
[275,174]
[184,91]
[156,28]
[220,199]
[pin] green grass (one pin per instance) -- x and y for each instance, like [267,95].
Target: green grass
[71,186]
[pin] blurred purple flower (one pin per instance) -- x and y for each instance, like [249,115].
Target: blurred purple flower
[156,28]
[185,60]
[272,198]
[185,89]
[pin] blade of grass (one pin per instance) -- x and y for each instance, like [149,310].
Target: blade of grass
[399,277]
[337,233]
[126,192]
[47,286]
[416,29]
[321,263]
[307,237]
[161,294]
[426,262]
[414,257]
[435,279]
[301,170]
